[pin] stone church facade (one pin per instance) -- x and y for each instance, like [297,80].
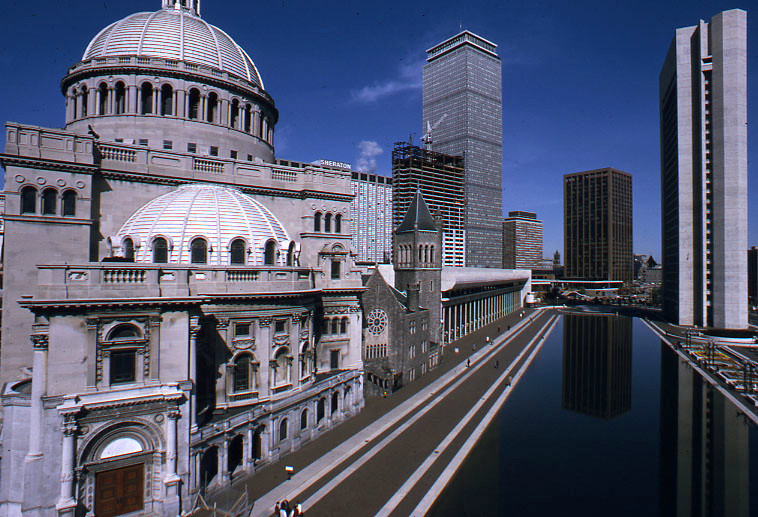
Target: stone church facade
[178,305]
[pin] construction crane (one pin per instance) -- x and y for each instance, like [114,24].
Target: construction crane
[427,138]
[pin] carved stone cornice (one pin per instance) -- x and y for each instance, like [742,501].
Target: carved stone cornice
[266,321]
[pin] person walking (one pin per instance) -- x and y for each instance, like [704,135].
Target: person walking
[468,363]
[497,364]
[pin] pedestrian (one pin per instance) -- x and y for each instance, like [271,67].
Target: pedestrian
[473,347]
[284,510]
[468,363]
[384,394]
[276,509]
[488,340]
[497,364]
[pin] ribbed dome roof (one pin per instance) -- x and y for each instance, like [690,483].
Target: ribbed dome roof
[173,34]
[218,214]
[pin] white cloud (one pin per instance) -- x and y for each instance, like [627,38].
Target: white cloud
[408,78]
[369,150]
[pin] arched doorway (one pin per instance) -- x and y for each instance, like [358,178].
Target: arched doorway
[235,454]
[208,466]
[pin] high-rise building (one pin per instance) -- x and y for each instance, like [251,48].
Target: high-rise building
[372,216]
[703,116]
[752,275]
[462,88]
[597,219]
[522,241]
[439,177]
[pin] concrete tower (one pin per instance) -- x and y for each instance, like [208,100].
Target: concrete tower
[703,112]
[462,88]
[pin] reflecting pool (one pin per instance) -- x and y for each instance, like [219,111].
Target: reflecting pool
[609,421]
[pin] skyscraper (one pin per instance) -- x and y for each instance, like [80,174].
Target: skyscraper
[462,83]
[597,218]
[439,177]
[703,116]
[522,241]
[372,216]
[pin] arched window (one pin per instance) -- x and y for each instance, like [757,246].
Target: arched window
[420,253]
[234,113]
[102,105]
[283,429]
[124,331]
[304,419]
[120,98]
[74,100]
[335,402]
[328,223]
[248,117]
[69,202]
[317,222]
[160,250]
[212,107]
[237,255]
[128,247]
[338,223]
[269,254]
[282,366]
[85,99]
[241,374]
[194,103]
[320,409]
[431,254]
[167,100]
[49,201]
[343,326]
[335,326]
[199,251]
[146,95]
[28,200]
[291,254]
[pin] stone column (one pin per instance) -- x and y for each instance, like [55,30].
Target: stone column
[132,98]
[272,367]
[154,346]
[257,122]
[39,389]
[295,342]
[67,500]
[223,111]
[156,94]
[223,468]
[171,424]
[192,374]
[203,115]
[248,457]
[180,107]
[264,331]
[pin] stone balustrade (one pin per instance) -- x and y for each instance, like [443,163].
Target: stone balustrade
[129,280]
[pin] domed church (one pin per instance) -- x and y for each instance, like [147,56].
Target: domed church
[179,305]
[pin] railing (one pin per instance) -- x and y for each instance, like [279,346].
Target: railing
[278,174]
[204,165]
[118,154]
[124,276]
[242,276]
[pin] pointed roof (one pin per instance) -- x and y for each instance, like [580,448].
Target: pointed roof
[417,216]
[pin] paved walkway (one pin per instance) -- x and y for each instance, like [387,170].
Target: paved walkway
[397,455]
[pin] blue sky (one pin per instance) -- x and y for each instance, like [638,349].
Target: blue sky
[580,81]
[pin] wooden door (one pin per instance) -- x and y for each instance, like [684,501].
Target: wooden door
[119,491]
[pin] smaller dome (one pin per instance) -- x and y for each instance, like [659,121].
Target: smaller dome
[219,215]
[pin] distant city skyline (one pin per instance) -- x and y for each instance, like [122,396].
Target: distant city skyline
[602,112]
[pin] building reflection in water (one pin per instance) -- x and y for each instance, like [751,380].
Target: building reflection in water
[597,364]
[704,445]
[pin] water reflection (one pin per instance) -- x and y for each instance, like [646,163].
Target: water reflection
[704,445]
[597,364]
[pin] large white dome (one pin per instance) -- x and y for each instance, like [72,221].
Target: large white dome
[173,34]
[218,214]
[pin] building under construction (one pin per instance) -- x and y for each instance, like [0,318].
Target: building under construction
[439,177]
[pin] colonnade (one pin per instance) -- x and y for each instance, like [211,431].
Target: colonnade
[469,313]
[166,100]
